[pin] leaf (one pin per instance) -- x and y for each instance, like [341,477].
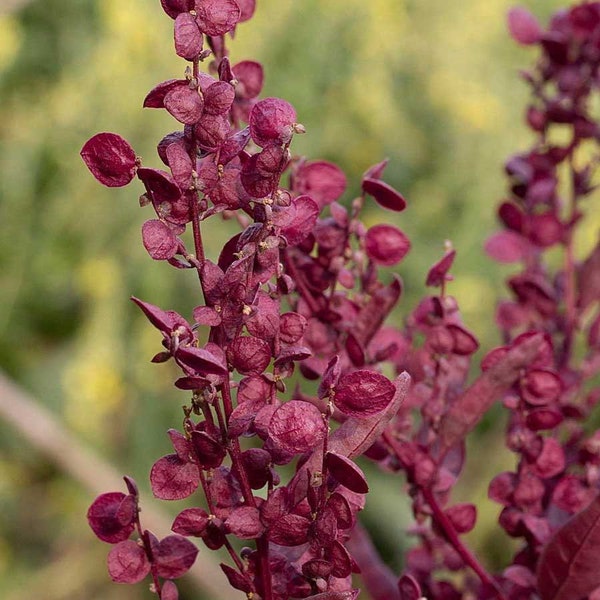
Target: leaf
[174,556]
[356,435]
[128,563]
[173,479]
[108,520]
[297,427]
[569,567]
[384,194]
[271,122]
[216,17]
[363,393]
[159,240]
[468,409]
[110,159]
[523,26]
[344,471]
[386,244]
[323,181]
[191,521]
[188,39]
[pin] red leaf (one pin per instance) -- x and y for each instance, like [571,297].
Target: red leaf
[356,435]
[128,563]
[218,98]
[297,427]
[468,409]
[249,355]
[174,556]
[169,591]
[184,104]
[271,122]
[384,194]
[363,393]
[462,516]
[438,273]
[173,479]
[244,522]
[110,159]
[346,472]
[191,521]
[174,7]
[180,164]
[159,240]
[386,244]
[188,39]
[201,360]
[107,518]
[156,96]
[350,595]
[306,212]
[507,247]
[290,530]
[216,17]
[409,588]
[323,181]
[569,567]
[250,76]
[523,26]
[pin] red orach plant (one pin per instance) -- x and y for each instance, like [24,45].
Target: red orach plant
[298,292]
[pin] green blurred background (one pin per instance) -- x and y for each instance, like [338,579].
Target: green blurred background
[430,84]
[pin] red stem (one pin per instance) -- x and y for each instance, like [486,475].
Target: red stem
[453,538]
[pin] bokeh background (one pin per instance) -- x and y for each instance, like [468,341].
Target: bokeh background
[430,84]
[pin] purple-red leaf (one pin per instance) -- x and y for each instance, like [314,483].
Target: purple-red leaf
[218,98]
[306,212]
[297,427]
[244,522]
[188,39]
[363,393]
[386,244]
[159,240]
[323,181]
[507,247]
[249,355]
[169,591]
[462,516]
[128,563]
[173,479]
[569,567]
[523,26]
[110,159]
[108,520]
[384,194]
[174,556]
[438,274]
[156,96]
[468,409]
[357,434]
[185,104]
[289,530]
[409,588]
[191,521]
[250,76]
[347,473]
[216,17]
[201,361]
[272,121]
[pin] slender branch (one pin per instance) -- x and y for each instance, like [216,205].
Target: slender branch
[453,538]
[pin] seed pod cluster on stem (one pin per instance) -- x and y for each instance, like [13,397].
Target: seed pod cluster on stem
[298,296]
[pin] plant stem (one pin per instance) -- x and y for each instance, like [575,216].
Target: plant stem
[453,538]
